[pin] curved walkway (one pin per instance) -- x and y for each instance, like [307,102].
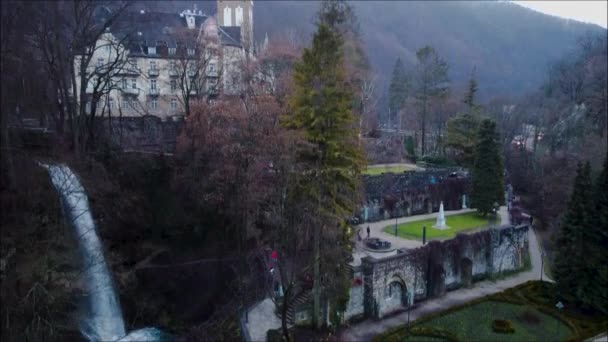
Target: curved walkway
[369,328]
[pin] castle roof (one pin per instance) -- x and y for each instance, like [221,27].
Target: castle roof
[140,30]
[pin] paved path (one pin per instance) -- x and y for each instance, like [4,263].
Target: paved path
[367,329]
[409,166]
[261,319]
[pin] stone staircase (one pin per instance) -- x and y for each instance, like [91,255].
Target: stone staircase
[300,299]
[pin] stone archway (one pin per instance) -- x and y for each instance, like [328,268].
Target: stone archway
[395,296]
[466,272]
[428,206]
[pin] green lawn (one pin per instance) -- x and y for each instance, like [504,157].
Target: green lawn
[529,307]
[457,223]
[474,323]
[378,170]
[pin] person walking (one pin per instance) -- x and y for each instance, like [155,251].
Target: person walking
[368,231]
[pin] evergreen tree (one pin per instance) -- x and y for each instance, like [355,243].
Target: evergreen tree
[398,88]
[462,129]
[570,259]
[321,108]
[430,82]
[592,287]
[488,173]
[469,97]
[461,137]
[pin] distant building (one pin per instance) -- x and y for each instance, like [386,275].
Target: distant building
[156,58]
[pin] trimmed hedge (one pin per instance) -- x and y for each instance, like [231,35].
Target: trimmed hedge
[502,326]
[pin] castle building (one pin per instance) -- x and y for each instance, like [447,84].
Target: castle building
[153,63]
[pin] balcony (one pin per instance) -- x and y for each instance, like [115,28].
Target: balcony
[153,92]
[130,91]
[173,72]
[192,73]
[153,72]
[128,70]
[212,73]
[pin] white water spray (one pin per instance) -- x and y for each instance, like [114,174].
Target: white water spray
[103,321]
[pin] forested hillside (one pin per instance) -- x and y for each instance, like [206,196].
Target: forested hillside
[510,45]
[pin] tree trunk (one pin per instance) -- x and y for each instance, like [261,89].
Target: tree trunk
[316,291]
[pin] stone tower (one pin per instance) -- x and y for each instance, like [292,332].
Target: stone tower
[237,13]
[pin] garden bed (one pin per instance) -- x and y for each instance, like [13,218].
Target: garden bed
[529,309]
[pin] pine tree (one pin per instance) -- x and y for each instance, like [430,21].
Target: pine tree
[321,108]
[462,129]
[430,82]
[469,97]
[592,287]
[570,259]
[488,173]
[398,88]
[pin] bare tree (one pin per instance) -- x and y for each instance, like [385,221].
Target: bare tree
[70,35]
[197,66]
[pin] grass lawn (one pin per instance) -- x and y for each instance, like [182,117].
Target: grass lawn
[474,323]
[378,170]
[530,309]
[457,223]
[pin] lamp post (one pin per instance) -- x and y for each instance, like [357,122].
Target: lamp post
[396,226]
[559,307]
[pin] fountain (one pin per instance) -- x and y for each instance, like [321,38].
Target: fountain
[440,224]
[103,321]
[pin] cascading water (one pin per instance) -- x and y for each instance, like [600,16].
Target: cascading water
[104,321]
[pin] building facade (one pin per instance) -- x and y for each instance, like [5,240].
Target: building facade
[152,63]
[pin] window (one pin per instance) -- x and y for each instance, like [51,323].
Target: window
[239,16]
[153,84]
[172,51]
[99,62]
[133,63]
[153,65]
[173,85]
[227,16]
[173,104]
[124,83]
[172,65]
[87,107]
[108,47]
[190,52]
[152,50]
[125,104]
[111,103]
[133,83]
[211,67]
[154,104]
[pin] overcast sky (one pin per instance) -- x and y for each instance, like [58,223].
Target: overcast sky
[587,11]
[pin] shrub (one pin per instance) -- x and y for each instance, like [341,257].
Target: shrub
[502,326]
[530,317]
[274,335]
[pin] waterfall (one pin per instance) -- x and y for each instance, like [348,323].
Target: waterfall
[103,321]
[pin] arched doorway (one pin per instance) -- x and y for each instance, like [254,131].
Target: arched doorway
[428,206]
[466,272]
[396,296]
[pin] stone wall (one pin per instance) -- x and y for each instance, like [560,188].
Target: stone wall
[435,268]
[144,134]
[410,193]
